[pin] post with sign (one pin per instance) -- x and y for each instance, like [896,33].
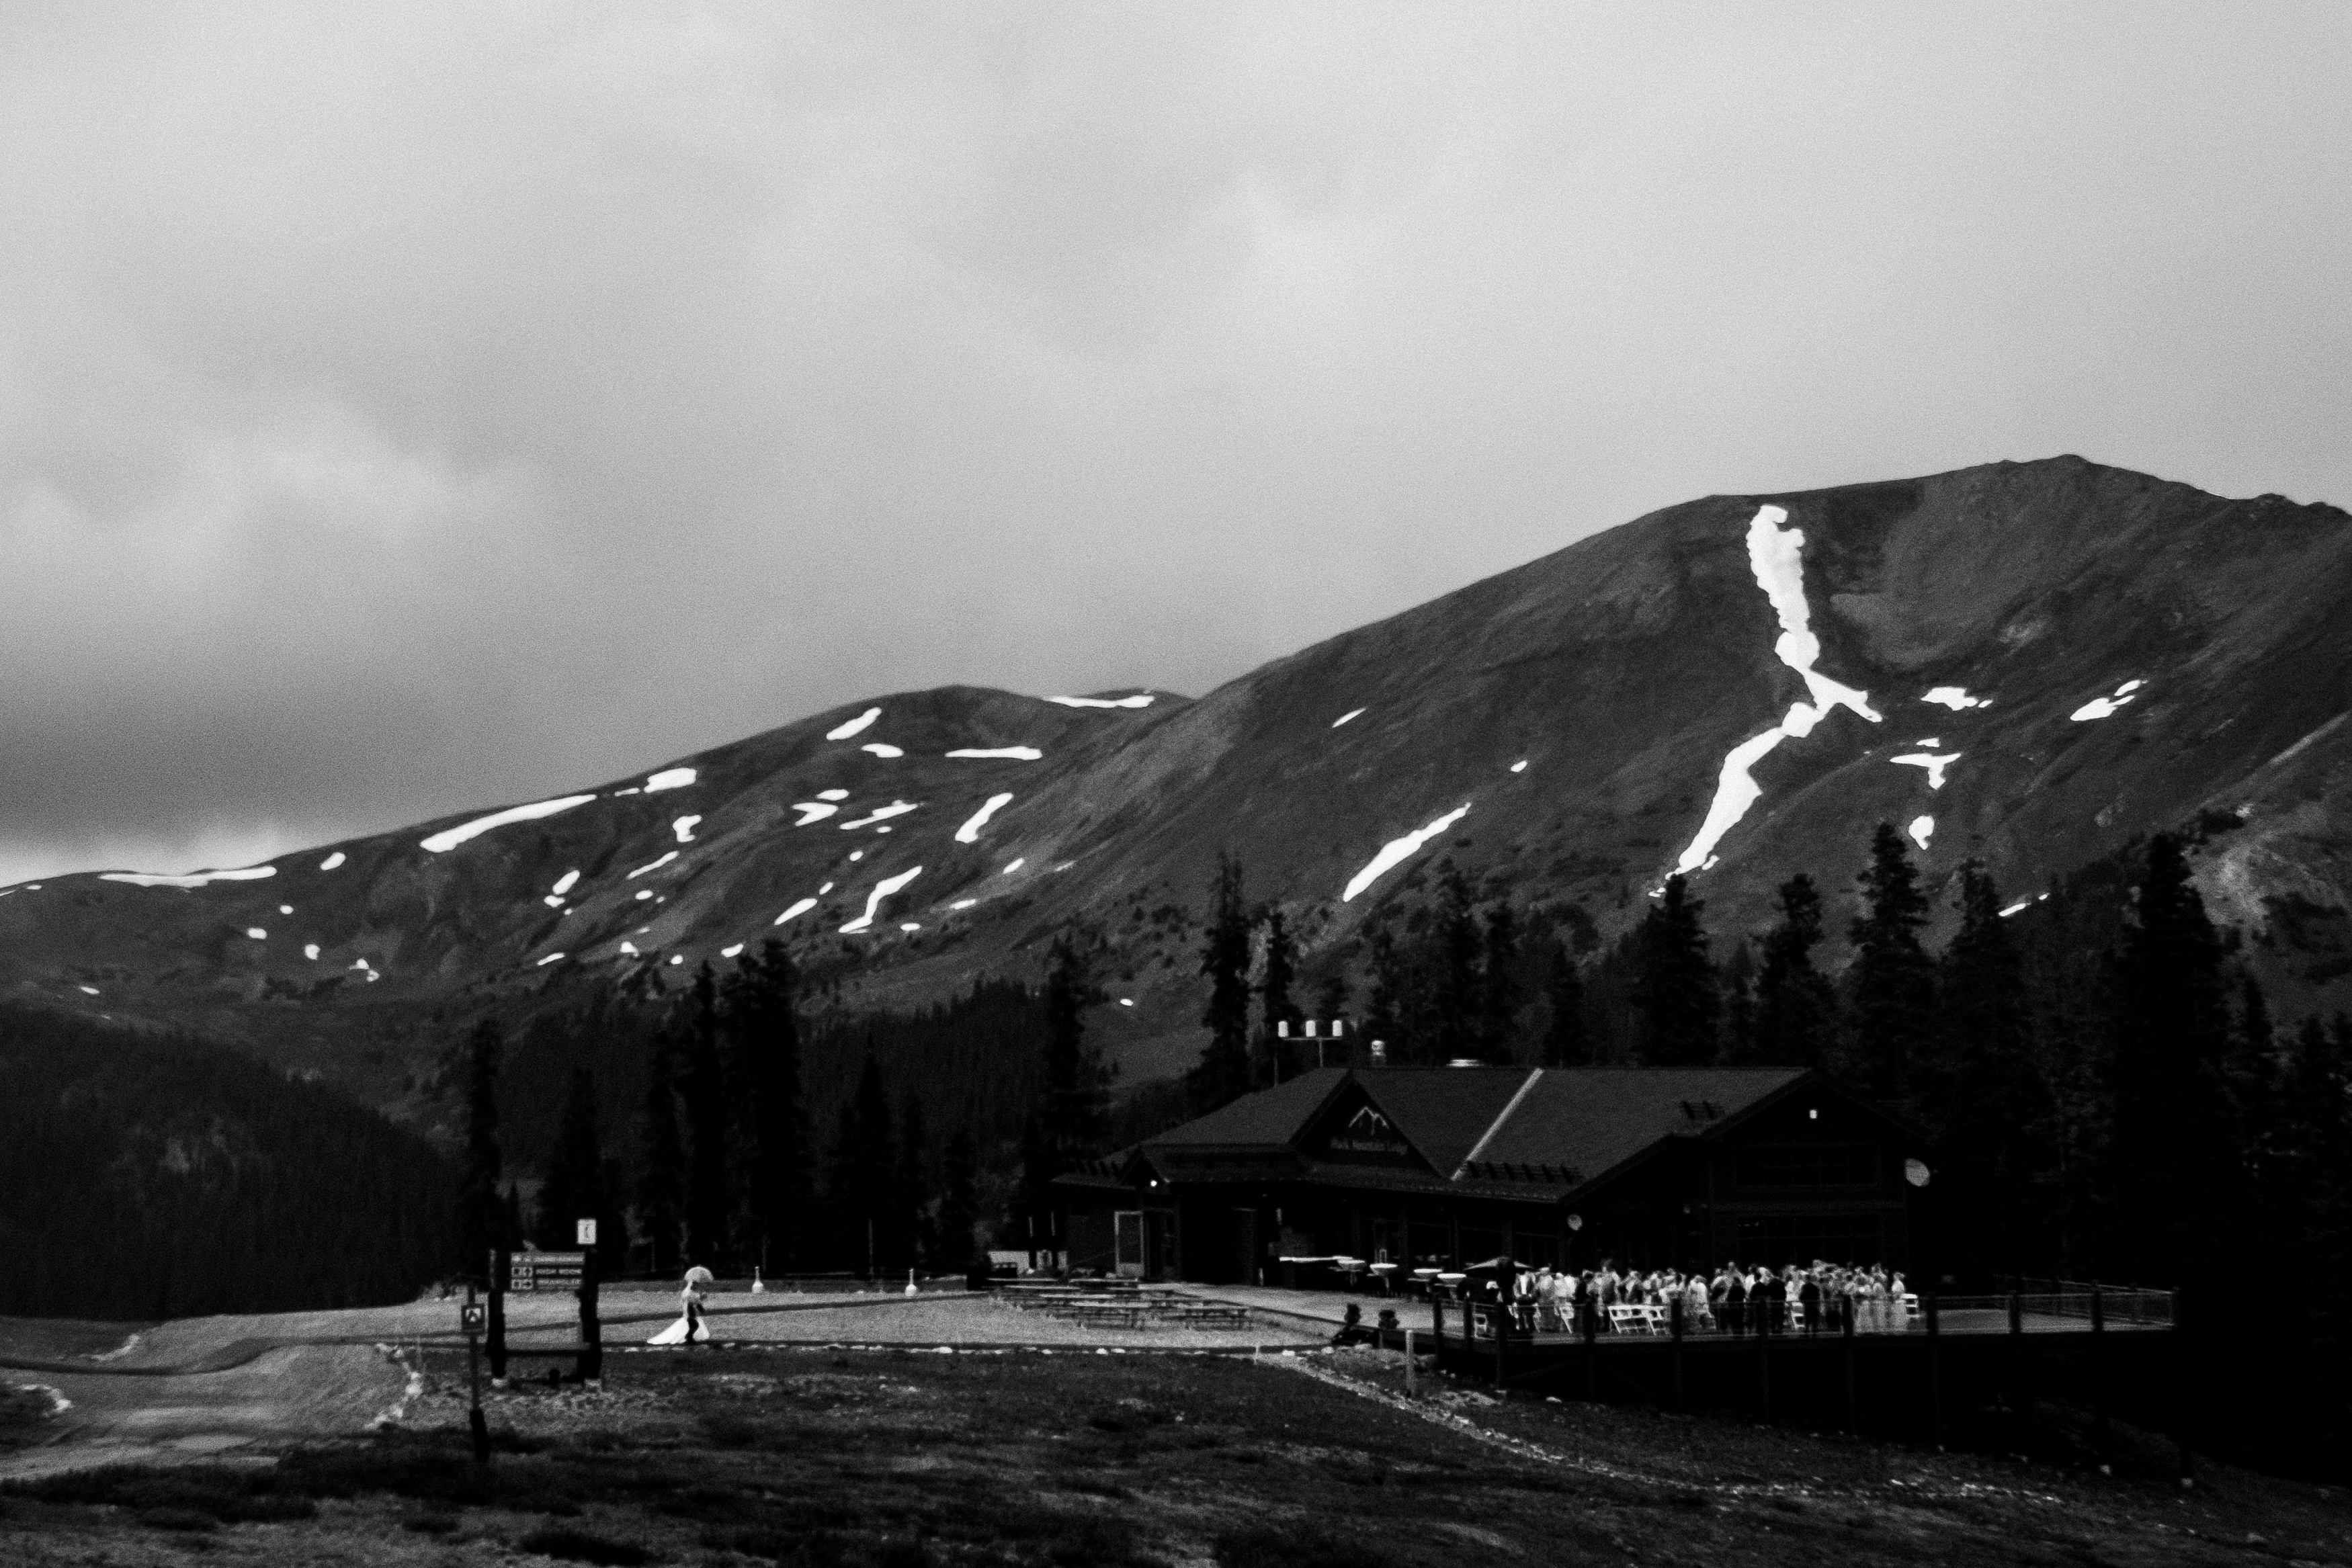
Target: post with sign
[497,1318]
[471,1318]
[592,1330]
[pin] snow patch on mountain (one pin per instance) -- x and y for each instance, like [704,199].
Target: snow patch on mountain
[1351,713]
[883,748]
[684,829]
[1933,761]
[730,952]
[1776,555]
[1957,699]
[1018,862]
[1011,753]
[813,811]
[1921,829]
[1520,766]
[2104,708]
[833,794]
[565,883]
[194,879]
[1141,699]
[653,865]
[1397,850]
[963,904]
[331,862]
[798,909]
[854,726]
[550,958]
[449,838]
[882,890]
[310,951]
[969,832]
[669,779]
[880,814]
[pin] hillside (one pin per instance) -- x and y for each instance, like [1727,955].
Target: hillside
[2029,664]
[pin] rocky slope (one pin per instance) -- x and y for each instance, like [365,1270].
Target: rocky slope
[2030,664]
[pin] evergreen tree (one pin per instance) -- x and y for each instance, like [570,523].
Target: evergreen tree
[1073,1109]
[865,1201]
[768,1140]
[1223,1072]
[1984,1099]
[702,1088]
[661,1171]
[1275,1009]
[482,1209]
[1738,984]
[1674,983]
[576,1188]
[1567,1041]
[915,1183]
[1796,1007]
[958,1203]
[1383,1008]
[1498,1002]
[1456,992]
[2170,1036]
[1893,979]
[1331,998]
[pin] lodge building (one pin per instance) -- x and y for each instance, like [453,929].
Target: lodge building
[1651,1167]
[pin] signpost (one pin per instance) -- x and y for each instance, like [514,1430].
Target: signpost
[536,1271]
[472,1318]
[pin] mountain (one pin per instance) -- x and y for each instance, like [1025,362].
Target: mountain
[2028,663]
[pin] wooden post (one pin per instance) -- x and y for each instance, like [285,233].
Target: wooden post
[1934,1370]
[1845,1331]
[591,1328]
[1674,1322]
[2098,1370]
[475,1420]
[1589,1318]
[498,1319]
[1408,1365]
[2183,1399]
[2019,1399]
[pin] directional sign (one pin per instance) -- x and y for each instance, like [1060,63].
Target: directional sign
[584,1233]
[473,1317]
[546,1271]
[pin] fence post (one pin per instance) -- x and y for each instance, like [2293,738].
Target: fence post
[1407,1364]
[2099,1371]
[2020,1397]
[497,1346]
[1845,1329]
[1589,1317]
[1934,1370]
[1675,1321]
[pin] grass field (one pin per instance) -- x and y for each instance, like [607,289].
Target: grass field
[799,1455]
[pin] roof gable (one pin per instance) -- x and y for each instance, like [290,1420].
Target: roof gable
[1271,1118]
[1596,1119]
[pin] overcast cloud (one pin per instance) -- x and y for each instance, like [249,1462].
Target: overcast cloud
[407,407]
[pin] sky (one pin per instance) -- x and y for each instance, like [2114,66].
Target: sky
[408,408]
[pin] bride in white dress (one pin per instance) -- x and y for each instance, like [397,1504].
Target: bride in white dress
[690,1328]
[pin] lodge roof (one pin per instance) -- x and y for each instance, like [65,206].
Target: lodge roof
[1524,1133]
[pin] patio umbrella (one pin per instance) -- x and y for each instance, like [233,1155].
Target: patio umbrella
[698,1275]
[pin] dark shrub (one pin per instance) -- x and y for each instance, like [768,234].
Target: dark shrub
[579,1546]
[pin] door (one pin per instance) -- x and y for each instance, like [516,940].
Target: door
[1158,1243]
[1126,1243]
[1246,1263]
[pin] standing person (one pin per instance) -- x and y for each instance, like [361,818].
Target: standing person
[1732,1312]
[1696,1318]
[1809,1300]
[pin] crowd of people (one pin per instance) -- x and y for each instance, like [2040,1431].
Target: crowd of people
[1734,1300]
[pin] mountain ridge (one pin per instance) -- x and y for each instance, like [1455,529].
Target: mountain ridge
[1581,708]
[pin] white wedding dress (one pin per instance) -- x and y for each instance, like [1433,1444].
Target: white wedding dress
[690,1323]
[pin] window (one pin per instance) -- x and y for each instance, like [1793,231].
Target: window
[1809,1165]
[1800,1239]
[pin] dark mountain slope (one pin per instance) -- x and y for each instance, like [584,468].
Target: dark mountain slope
[1622,672]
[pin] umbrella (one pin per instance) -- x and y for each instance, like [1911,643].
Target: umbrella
[698,1275]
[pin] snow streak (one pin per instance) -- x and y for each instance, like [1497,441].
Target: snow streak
[854,726]
[813,811]
[1397,850]
[1351,713]
[669,779]
[881,748]
[802,907]
[331,862]
[684,829]
[653,865]
[1011,753]
[449,838]
[1954,697]
[1934,762]
[969,832]
[880,814]
[882,890]
[1141,699]
[1777,557]
[195,879]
